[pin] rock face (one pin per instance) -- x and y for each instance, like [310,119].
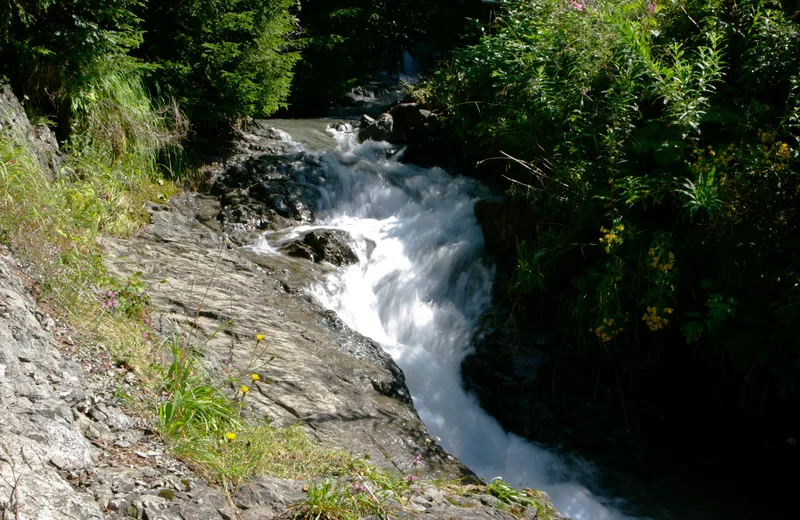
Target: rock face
[41,139]
[67,449]
[40,443]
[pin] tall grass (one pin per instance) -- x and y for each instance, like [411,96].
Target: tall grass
[55,219]
[115,122]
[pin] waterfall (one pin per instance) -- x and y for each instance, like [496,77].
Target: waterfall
[419,293]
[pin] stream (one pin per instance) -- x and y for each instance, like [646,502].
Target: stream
[419,288]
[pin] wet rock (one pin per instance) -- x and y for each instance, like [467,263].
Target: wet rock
[301,250]
[332,246]
[365,121]
[262,129]
[412,124]
[266,192]
[379,130]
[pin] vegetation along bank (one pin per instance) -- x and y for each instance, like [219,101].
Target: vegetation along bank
[648,234]
[645,242]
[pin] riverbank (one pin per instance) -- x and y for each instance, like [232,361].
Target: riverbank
[100,394]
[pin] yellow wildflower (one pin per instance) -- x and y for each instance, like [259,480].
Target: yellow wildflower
[230,436]
[260,338]
[244,389]
[255,377]
[653,321]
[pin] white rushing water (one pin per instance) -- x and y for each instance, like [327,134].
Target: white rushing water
[420,293]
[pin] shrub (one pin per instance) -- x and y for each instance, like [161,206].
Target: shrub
[50,48]
[660,151]
[221,59]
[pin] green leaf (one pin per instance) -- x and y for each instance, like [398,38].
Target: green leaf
[693,331]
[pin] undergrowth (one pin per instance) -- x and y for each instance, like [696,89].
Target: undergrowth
[653,148]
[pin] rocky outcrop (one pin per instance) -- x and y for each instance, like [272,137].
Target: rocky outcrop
[41,140]
[67,448]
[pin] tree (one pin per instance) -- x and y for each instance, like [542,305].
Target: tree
[221,59]
[49,47]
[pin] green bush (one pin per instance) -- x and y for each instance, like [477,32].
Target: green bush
[660,149]
[51,49]
[221,59]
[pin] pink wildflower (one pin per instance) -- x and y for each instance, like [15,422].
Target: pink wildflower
[579,5]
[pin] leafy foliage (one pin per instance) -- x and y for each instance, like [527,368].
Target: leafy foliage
[670,127]
[222,59]
[50,48]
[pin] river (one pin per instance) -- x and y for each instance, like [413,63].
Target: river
[422,283]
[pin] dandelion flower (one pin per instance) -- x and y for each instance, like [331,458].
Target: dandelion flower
[260,338]
[245,389]
[255,377]
[230,436]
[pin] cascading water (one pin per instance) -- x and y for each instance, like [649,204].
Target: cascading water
[421,284]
